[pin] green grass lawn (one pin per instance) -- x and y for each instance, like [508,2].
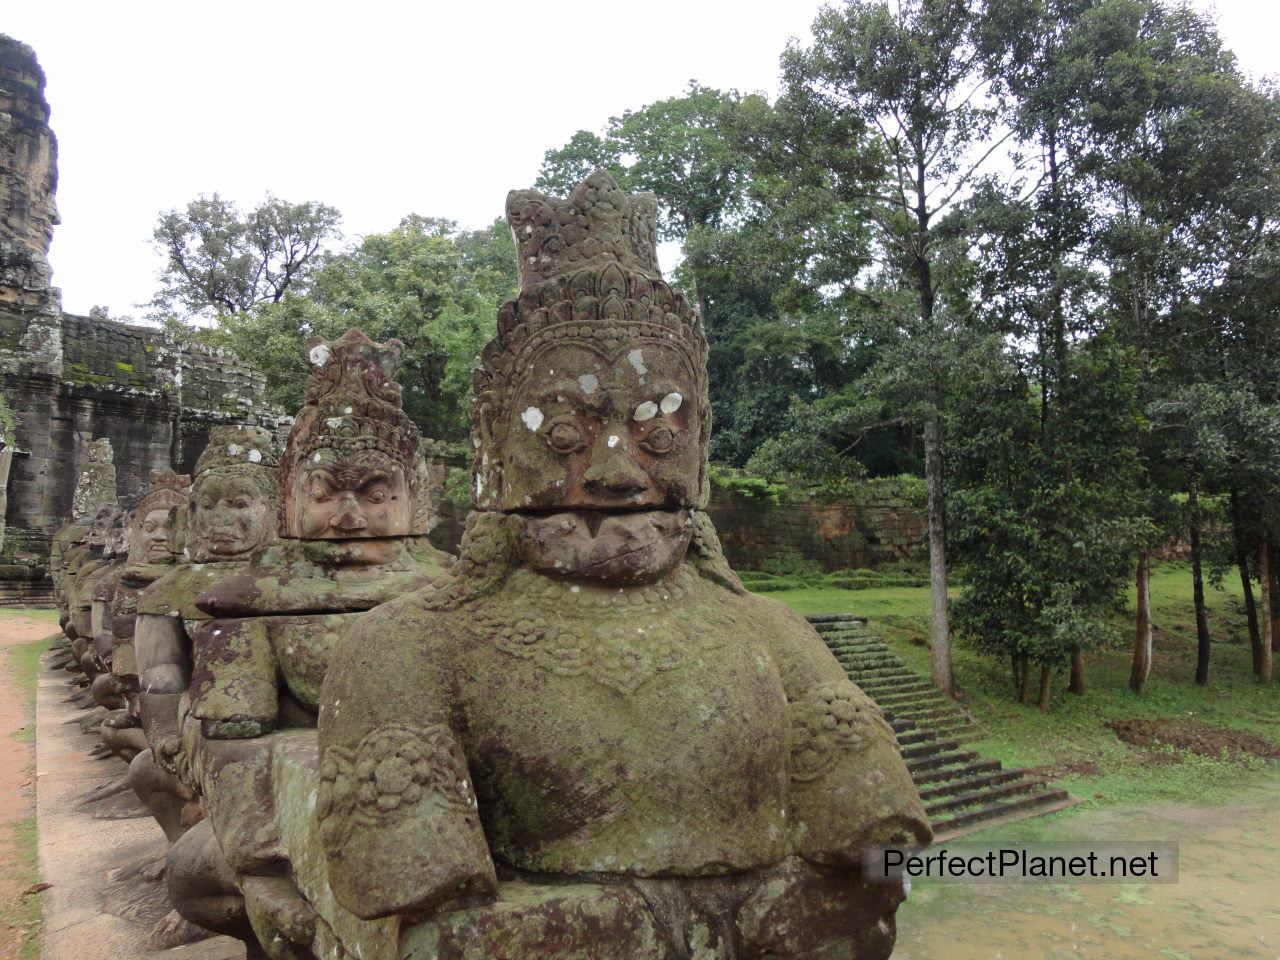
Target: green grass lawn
[1071,743]
[30,613]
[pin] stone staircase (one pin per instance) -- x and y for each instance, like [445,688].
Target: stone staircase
[961,790]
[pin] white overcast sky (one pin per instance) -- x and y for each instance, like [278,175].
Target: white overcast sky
[377,108]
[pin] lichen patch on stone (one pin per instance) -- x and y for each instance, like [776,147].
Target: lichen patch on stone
[532,418]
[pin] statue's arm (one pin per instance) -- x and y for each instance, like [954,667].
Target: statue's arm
[850,787]
[397,809]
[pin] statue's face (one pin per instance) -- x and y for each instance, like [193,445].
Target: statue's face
[604,431]
[602,451]
[101,526]
[118,535]
[152,537]
[345,499]
[230,517]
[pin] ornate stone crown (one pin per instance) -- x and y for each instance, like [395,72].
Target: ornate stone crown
[96,485]
[589,273]
[165,490]
[239,446]
[353,402]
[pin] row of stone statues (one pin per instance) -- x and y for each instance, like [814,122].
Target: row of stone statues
[583,738]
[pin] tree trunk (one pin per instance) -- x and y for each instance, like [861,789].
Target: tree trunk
[1203,639]
[1264,608]
[1024,681]
[1017,674]
[1142,641]
[943,677]
[1246,581]
[1273,560]
[1077,684]
[1045,673]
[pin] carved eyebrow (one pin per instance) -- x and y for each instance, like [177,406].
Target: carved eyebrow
[376,476]
[571,392]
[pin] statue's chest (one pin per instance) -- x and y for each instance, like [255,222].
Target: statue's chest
[621,689]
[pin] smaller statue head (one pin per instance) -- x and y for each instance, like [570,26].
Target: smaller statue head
[117,544]
[100,451]
[351,467]
[232,508]
[151,532]
[102,529]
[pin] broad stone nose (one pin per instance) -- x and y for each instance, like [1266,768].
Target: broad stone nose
[612,469]
[349,516]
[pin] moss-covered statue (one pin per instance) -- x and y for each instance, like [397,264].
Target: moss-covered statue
[98,559]
[350,539]
[230,514]
[589,740]
[154,545]
[95,488]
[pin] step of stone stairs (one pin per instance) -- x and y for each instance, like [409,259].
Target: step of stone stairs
[980,774]
[929,749]
[1026,805]
[937,777]
[934,762]
[985,794]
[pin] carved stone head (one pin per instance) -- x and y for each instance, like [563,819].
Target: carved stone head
[233,506]
[591,413]
[117,537]
[105,527]
[152,529]
[351,466]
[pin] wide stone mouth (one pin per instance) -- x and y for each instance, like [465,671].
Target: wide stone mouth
[657,522]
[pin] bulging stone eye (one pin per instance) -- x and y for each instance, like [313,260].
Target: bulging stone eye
[565,437]
[660,440]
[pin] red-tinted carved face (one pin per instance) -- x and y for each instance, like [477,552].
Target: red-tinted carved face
[602,452]
[346,499]
[151,539]
[606,431]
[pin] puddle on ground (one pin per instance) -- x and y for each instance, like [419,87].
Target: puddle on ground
[1224,906]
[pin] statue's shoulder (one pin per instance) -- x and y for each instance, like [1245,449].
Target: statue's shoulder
[174,593]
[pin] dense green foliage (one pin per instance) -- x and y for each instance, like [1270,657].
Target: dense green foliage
[1024,248]
[433,286]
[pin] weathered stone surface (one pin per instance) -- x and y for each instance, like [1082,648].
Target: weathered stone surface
[28,178]
[350,510]
[590,695]
[838,535]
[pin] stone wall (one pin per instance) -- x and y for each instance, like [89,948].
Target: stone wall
[870,532]
[153,398]
[69,379]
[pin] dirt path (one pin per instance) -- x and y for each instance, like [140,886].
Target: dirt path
[17,782]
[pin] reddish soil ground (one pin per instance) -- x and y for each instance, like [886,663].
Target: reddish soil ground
[1196,737]
[17,769]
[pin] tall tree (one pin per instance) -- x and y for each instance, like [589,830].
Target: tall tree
[912,77]
[221,261]
[428,283]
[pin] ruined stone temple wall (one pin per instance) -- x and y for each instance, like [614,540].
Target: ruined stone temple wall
[838,535]
[153,398]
